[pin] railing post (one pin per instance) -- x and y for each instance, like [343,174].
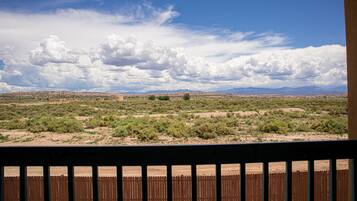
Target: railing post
[70,183]
[169,182]
[144,182]
[218,182]
[23,183]
[95,186]
[46,183]
[120,196]
[265,181]
[332,180]
[194,182]
[242,181]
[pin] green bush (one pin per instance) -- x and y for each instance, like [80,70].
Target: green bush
[13,124]
[208,130]
[147,134]
[120,132]
[333,126]
[53,124]
[165,98]
[151,97]
[161,125]
[274,126]
[3,138]
[142,128]
[186,97]
[178,129]
[302,127]
[95,122]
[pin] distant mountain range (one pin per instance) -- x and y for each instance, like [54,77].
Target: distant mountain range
[309,90]
[297,91]
[169,91]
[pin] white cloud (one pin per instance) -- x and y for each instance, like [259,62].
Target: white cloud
[142,49]
[52,50]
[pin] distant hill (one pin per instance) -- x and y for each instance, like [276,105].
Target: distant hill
[170,91]
[292,91]
[298,91]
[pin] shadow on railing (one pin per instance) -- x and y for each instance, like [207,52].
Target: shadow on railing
[170,155]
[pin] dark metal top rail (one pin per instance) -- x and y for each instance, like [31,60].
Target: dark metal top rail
[176,154]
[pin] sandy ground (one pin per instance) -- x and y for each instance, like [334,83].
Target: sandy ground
[103,135]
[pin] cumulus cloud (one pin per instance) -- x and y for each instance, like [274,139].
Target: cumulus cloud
[145,50]
[323,65]
[52,50]
[129,51]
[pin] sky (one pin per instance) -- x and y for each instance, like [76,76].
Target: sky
[138,46]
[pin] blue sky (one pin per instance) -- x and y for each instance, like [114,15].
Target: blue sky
[305,22]
[132,45]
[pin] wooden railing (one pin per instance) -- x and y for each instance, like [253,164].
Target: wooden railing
[171,155]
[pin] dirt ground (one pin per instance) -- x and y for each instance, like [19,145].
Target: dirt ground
[103,135]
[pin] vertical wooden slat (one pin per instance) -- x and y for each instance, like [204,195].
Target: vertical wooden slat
[70,184]
[353,179]
[265,181]
[95,186]
[23,183]
[120,195]
[332,180]
[169,182]
[194,182]
[46,183]
[242,182]
[144,183]
[311,181]
[288,180]
[2,183]
[218,183]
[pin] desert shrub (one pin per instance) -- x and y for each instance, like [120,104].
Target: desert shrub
[274,126]
[13,124]
[302,127]
[186,96]
[229,114]
[165,98]
[178,129]
[142,128]
[161,125]
[120,132]
[95,122]
[151,97]
[147,134]
[208,130]
[67,125]
[222,129]
[3,138]
[332,125]
[53,124]
[231,122]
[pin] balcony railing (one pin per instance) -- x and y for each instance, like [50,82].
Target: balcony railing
[170,155]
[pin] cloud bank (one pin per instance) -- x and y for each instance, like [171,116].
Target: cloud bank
[143,49]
